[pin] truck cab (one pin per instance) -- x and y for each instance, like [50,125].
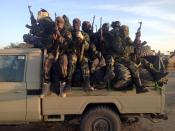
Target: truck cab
[21,101]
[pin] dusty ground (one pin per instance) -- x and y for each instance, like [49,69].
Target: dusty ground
[142,125]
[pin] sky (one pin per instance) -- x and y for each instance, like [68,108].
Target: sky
[157,16]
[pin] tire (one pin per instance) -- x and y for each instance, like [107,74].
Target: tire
[100,119]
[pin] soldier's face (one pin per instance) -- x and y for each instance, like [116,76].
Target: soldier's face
[60,25]
[86,27]
[105,29]
[76,25]
[126,32]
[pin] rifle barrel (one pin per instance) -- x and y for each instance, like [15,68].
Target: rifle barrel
[92,28]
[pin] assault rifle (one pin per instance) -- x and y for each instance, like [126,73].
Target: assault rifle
[140,26]
[137,41]
[101,36]
[92,27]
[32,18]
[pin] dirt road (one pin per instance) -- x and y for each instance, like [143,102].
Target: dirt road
[142,125]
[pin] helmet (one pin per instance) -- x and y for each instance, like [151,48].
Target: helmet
[42,13]
[105,25]
[115,24]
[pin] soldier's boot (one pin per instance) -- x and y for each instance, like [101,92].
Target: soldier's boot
[109,75]
[139,87]
[87,86]
[68,86]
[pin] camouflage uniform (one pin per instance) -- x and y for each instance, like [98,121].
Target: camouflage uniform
[93,54]
[105,45]
[68,26]
[134,67]
[127,44]
[78,56]
[124,57]
[142,63]
[58,54]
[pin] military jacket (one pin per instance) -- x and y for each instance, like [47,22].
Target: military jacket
[78,46]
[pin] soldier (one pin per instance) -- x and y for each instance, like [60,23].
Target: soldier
[68,26]
[97,67]
[80,46]
[140,63]
[127,49]
[60,51]
[40,36]
[41,31]
[116,28]
[86,27]
[127,44]
[117,45]
[105,41]
[93,54]
[134,66]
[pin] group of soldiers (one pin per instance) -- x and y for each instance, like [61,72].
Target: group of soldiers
[93,54]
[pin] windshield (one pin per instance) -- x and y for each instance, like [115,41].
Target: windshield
[12,68]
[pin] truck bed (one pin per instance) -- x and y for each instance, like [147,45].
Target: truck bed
[126,102]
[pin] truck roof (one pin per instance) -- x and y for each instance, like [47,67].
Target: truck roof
[19,50]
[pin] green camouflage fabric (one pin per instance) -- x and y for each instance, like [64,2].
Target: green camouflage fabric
[76,55]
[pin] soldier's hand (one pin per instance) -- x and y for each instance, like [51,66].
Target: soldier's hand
[58,33]
[69,35]
[80,35]
[54,36]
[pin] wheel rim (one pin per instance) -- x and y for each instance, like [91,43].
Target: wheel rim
[101,124]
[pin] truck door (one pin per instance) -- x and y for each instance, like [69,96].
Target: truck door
[12,88]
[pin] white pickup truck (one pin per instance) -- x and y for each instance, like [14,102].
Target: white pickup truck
[21,101]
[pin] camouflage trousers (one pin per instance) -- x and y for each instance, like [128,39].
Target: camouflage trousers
[72,64]
[109,60]
[59,69]
[96,64]
[134,69]
[50,59]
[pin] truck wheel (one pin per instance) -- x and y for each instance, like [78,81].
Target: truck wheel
[100,119]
